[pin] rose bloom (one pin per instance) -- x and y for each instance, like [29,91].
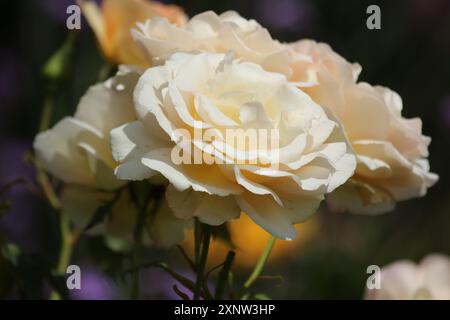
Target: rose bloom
[405,280]
[112,21]
[77,151]
[391,150]
[209,32]
[217,92]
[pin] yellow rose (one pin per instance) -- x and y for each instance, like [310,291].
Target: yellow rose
[113,21]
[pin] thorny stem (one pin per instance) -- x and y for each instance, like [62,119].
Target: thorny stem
[197,240]
[224,274]
[155,198]
[137,254]
[201,262]
[187,283]
[186,257]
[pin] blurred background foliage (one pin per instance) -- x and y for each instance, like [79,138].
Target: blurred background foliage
[410,54]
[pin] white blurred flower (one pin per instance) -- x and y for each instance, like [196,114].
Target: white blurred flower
[77,151]
[405,280]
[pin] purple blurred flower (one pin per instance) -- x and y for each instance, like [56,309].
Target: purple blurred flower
[12,165]
[95,285]
[156,283]
[292,15]
[20,222]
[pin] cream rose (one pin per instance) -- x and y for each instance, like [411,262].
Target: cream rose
[77,151]
[283,185]
[391,150]
[405,280]
[209,32]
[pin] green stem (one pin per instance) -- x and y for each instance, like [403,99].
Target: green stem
[197,240]
[187,283]
[136,275]
[47,111]
[154,198]
[54,72]
[260,264]
[65,254]
[137,254]
[47,187]
[188,260]
[223,275]
[202,261]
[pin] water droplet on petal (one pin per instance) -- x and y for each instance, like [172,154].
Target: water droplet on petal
[120,87]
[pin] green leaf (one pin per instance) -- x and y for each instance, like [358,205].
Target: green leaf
[11,252]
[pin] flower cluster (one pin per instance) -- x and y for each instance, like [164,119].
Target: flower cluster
[224,72]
